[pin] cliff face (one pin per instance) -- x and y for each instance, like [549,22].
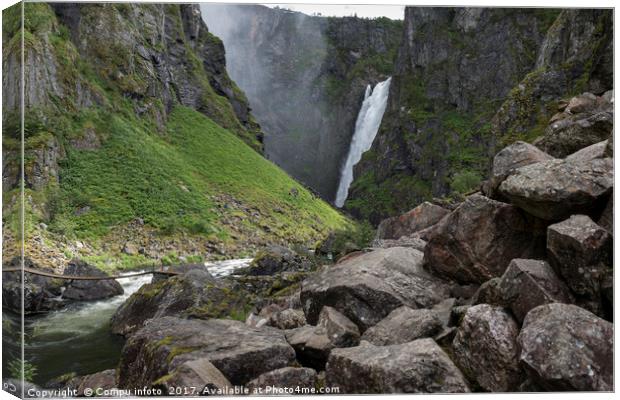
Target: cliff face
[455,69]
[305,78]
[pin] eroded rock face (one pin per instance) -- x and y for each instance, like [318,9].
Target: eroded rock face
[404,325]
[194,294]
[421,217]
[239,352]
[420,366]
[527,284]
[518,154]
[582,253]
[477,241]
[565,347]
[89,290]
[555,189]
[367,287]
[485,346]
[288,377]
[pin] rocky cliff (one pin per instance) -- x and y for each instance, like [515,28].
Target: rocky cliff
[133,126]
[455,69]
[305,78]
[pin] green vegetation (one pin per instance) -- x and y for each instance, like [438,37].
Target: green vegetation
[28,372]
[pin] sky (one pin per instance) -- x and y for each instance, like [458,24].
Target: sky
[344,10]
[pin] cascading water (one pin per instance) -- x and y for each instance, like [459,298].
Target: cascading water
[366,128]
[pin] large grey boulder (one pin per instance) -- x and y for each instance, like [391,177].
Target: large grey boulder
[527,284]
[367,287]
[241,353]
[39,293]
[194,294]
[581,251]
[194,378]
[555,189]
[104,380]
[420,366]
[288,378]
[564,347]
[89,289]
[404,325]
[287,319]
[421,217]
[485,346]
[477,241]
[510,158]
[597,150]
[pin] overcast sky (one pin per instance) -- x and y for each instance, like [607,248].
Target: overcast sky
[367,11]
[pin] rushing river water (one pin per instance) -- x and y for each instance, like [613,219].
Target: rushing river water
[77,338]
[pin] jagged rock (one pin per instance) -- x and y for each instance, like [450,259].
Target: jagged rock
[489,293]
[597,150]
[287,319]
[565,347]
[527,284]
[289,377]
[39,293]
[554,189]
[367,287]
[477,241]
[194,294]
[89,290]
[457,314]
[195,377]
[486,348]
[403,325]
[239,352]
[420,366]
[516,155]
[421,217]
[582,252]
[104,380]
[313,344]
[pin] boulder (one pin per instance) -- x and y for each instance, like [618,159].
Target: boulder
[241,353]
[313,344]
[517,155]
[404,325]
[40,293]
[477,241]
[527,284]
[420,366]
[403,241]
[555,189]
[276,259]
[104,380]
[194,294]
[485,346]
[367,287]
[582,103]
[192,378]
[421,217]
[606,220]
[289,378]
[565,347]
[489,293]
[581,251]
[287,319]
[89,289]
[597,150]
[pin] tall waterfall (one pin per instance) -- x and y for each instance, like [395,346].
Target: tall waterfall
[366,128]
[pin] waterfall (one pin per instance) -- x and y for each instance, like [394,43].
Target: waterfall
[366,128]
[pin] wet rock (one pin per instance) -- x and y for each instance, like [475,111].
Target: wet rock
[404,325]
[581,251]
[89,290]
[367,287]
[489,293]
[420,366]
[40,293]
[477,241]
[597,150]
[555,189]
[565,347]
[485,346]
[239,352]
[194,378]
[289,378]
[516,155]
[287,319]
[421,217]
[194,294]
[527,284]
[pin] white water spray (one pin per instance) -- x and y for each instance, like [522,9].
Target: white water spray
[366,128]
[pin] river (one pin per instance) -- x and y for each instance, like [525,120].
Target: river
[77,338]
